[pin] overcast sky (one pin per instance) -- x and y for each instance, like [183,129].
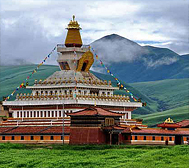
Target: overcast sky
[31,28]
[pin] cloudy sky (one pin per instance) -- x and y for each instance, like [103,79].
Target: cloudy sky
[31,28]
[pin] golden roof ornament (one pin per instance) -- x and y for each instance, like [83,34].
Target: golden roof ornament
[169,120]
[73,24]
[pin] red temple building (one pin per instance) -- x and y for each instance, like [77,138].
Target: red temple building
[74,106]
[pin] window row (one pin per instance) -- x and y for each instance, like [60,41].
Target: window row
[33,114]
[31,138]
[153,138]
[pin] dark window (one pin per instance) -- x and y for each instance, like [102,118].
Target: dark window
[52,137]
[135,137]
[162,138]
[31,137]
[144,137]
[12,137]
[3,137]
[170,138]
[22,137]
[61,137]
[41,137]
[187,138]
[153,138]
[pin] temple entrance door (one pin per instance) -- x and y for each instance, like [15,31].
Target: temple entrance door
[178,140]
[115,139]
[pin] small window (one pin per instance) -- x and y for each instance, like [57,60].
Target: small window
[31,138]
[41,92]
[162,138]
[48,114]
[52,114]
[12,137]
[41,137]
[17,114]
[109,121]
[41,113]
[52,137]
[46,92]
[144,137]
[3,137]
[85,92]
[135,137]
[170,138]
[153,138]
[108,93]
[187,138]
[22,137]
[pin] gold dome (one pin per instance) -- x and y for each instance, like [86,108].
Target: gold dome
[73,37]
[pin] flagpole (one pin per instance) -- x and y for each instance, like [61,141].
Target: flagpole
[63,126]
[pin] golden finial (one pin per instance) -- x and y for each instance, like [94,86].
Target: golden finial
[73,24]
[169,120]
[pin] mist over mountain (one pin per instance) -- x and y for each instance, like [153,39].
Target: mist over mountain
[134,63]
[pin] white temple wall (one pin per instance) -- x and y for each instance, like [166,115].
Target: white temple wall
[42,113]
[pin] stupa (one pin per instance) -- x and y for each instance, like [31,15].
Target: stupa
[72,88]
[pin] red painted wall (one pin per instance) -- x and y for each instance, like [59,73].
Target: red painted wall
[84,135]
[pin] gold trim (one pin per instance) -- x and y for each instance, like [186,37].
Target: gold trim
[87,58]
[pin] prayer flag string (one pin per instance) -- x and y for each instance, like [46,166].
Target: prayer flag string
[34,71]
[116,79]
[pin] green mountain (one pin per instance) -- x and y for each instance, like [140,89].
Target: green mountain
[169,94]
[134,63]
[177,114]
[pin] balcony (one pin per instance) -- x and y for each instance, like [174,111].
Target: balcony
[63,48]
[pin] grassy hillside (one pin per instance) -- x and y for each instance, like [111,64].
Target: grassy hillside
[169,94]
[12,76]
[54,156]
[177,114]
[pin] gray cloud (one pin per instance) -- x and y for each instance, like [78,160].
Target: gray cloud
[30,29]
[117,49]
[162,61]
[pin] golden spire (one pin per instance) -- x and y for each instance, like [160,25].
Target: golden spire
[73,24]
[73,37]
[169,120]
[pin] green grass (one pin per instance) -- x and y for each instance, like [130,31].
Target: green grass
[176,114]
[12,76]
[19,155]
[169,94]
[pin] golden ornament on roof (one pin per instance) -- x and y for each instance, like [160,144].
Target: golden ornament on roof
[169,120]
[73,24]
